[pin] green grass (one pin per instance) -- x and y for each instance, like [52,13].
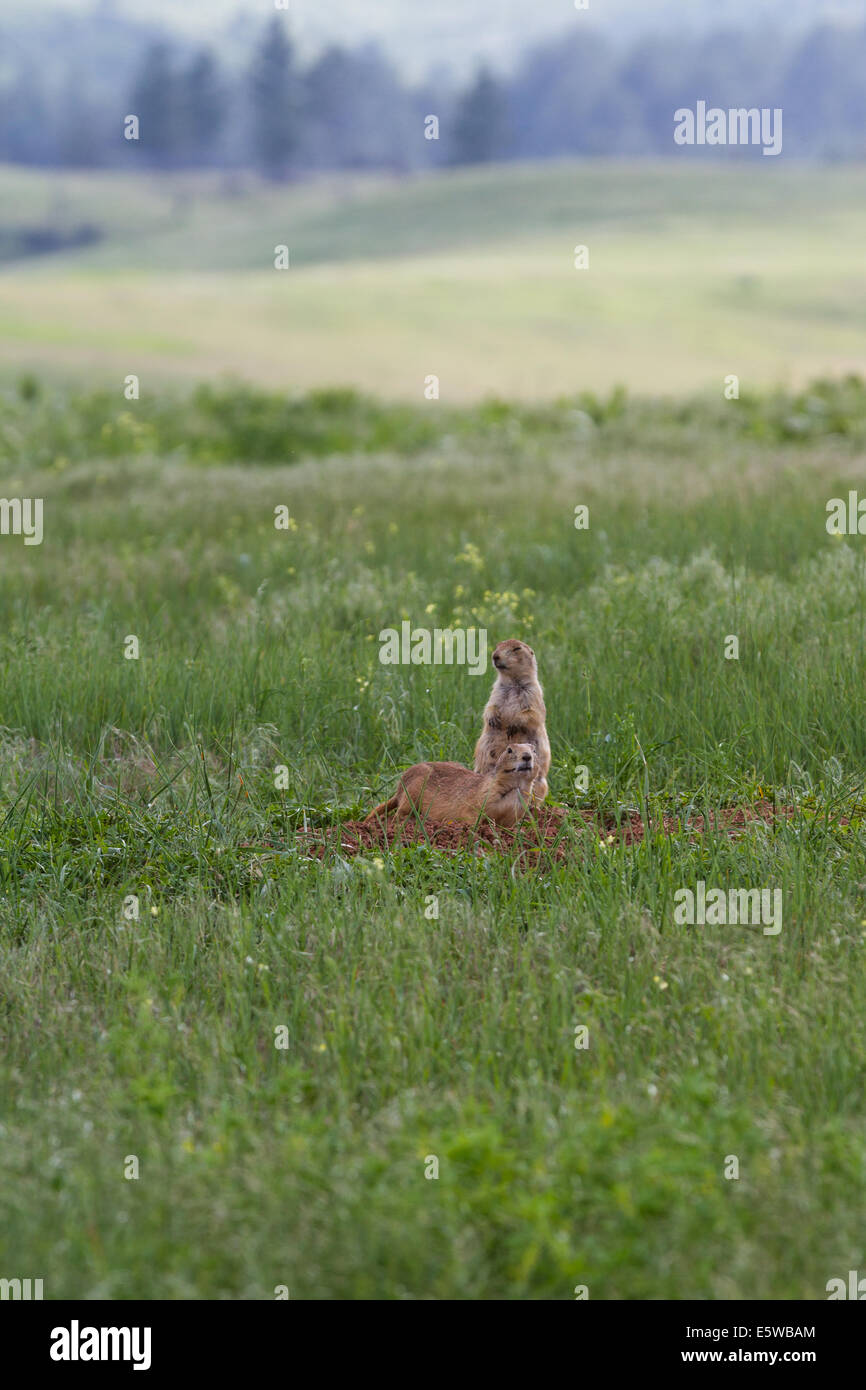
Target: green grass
[49,427]
[189,221]
[467,275]
[408,1036]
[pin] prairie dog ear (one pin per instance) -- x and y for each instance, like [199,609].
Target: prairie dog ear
[531,652]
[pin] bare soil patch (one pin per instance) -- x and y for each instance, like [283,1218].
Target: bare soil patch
[555,831]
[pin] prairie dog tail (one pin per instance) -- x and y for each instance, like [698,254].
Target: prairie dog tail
[382,809]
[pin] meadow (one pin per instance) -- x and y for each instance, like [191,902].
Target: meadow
[155,1038]
[695,272]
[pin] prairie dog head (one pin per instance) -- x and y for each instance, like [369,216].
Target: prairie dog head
[514,661]
[518,760]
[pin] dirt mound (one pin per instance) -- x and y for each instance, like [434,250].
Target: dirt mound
[555,831]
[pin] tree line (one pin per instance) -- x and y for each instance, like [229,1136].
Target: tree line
[348,109]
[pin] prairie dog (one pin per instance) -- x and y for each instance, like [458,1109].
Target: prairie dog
[450,792]
[515,710]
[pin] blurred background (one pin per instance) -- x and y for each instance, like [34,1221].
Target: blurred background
[310,127]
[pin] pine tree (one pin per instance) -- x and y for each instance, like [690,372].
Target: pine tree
[204,108]
[480,122]
[155,102]
[274,102]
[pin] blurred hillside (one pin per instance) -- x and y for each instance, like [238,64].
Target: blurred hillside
[464,274]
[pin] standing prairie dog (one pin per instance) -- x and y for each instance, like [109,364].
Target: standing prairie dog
[515,710]
[450,792]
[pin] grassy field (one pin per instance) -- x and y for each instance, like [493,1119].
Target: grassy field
[465,275]
[409,1037]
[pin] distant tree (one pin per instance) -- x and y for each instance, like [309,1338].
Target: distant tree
[27,121]
[81,139]
[579,94]
[566,98]
[481,122]
[155,100]
[357,115]
[824,96]
[435,96]
[203,101]
[655,77]
[329,108]
[274,96]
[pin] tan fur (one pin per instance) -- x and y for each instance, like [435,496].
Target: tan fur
[450,792]
[515,710]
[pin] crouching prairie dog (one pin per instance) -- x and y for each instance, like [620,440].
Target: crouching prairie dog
[450,792]
[515,710]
